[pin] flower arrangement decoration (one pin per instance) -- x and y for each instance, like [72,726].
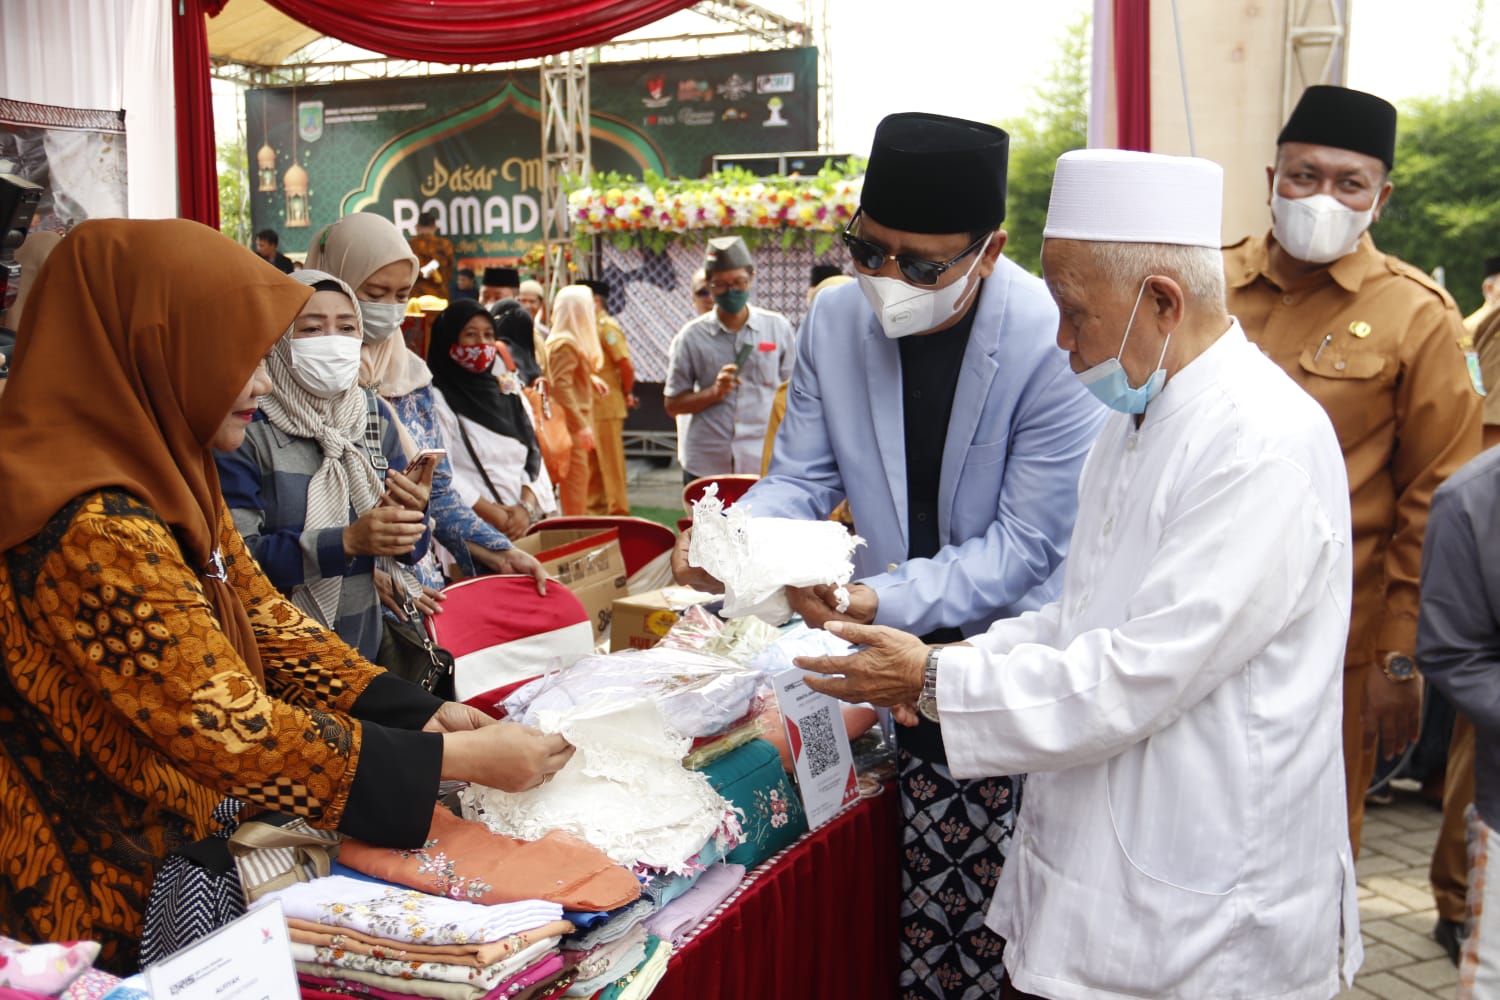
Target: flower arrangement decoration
[653,211]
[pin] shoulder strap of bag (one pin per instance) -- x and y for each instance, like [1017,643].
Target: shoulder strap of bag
[374,445]
[469,445]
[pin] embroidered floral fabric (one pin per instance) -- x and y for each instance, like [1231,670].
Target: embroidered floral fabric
[476,955]
[405,914]
[625,790]
[486,978]
[464,859]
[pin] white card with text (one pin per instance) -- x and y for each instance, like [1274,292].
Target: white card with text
[820,747]
[248,959]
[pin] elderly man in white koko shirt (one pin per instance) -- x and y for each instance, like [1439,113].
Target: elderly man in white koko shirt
[1182,832]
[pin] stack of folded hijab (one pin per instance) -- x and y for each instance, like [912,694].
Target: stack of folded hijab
[470,915]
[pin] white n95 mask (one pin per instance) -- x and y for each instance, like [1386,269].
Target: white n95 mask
[1319,228]
[325,366]
[380,320]
[905,309]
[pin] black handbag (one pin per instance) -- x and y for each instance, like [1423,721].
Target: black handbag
[407,649]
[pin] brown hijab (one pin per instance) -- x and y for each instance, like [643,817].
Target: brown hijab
[137,338]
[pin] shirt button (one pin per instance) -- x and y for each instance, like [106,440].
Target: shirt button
[916,394]
[890,567]
[1130,443]
[922,516]
[1109,525]
[1286,299]
[1338,365]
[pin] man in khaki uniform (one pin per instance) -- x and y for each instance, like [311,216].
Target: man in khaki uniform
[607,493]
[1377,343]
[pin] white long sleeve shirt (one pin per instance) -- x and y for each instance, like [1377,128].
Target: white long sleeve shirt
[1183,830]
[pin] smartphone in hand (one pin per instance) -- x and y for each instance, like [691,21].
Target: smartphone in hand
[422,466]
[743,355]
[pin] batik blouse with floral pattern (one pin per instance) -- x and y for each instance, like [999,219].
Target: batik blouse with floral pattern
[126,715]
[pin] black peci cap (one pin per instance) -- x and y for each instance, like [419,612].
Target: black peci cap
[1344,119]
[935,174]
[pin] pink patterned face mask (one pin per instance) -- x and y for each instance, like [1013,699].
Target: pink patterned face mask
[476,358]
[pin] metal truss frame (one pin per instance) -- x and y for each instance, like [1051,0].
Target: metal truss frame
[1316,49]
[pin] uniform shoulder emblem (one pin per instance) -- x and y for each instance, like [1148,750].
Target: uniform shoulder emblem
[1402,269]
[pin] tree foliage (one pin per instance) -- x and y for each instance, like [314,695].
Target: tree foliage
[1056,121]
[1444,210]
[234,191]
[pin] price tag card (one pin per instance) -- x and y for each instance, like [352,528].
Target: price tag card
[820,747]
[248,959]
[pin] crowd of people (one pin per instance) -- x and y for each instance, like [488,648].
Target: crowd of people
[1158,548]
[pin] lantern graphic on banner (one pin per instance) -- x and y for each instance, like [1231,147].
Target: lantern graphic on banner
[265,160]
[265,157]
[298,214]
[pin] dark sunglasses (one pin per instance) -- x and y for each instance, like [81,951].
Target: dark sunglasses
[917,270]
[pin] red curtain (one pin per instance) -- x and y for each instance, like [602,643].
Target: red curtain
[819,922]
[1132,21]
[197,167]
[471,31]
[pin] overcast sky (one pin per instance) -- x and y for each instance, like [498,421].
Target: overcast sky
[978,58]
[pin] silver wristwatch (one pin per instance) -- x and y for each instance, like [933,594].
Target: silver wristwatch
[927,703]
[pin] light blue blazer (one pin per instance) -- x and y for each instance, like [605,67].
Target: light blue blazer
[1020,428]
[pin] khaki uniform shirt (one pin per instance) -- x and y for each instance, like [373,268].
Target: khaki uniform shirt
[1376,342]
[1487,349]
[612,340]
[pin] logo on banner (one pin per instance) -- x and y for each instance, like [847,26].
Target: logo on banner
[310,120]
[735,115]
[656,90]
[776,83]
[735,88]
[775,105]
[694,90]
[660,120]
[692,116]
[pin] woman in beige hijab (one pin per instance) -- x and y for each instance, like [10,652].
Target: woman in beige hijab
[369,253]
[573,356]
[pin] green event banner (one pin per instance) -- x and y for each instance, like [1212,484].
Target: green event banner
[468,146]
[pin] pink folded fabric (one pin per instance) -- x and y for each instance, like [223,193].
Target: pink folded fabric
[673,921]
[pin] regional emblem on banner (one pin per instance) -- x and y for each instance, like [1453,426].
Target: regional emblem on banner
[310,120]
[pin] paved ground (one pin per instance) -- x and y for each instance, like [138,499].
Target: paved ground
[1402,962]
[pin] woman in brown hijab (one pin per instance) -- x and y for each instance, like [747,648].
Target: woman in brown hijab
[149,668]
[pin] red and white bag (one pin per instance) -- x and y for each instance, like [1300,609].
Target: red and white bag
[502,633]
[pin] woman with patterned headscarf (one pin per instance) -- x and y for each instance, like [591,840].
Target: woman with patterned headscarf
[150,667]
[369,253]
[317,488]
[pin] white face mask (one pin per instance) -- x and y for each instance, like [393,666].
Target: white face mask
[326,366]
[1319,228]
[381,320]
[905,309]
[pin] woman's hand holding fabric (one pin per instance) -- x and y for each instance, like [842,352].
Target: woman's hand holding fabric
[407,493]
[583,439]
[385,531]
[456,717]
[507,756]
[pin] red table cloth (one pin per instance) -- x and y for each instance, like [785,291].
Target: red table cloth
[816,920]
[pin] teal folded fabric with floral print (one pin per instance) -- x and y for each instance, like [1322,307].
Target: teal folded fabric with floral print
[752,779]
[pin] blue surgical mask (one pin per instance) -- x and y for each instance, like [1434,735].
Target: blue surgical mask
[1110,385]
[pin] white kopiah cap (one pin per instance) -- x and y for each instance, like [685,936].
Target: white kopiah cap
[1120,196]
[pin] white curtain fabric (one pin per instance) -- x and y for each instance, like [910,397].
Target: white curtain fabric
[106,55]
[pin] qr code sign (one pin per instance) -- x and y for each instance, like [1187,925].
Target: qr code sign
[818,745]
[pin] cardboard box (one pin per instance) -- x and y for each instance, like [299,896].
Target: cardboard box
[639,621]
[587,562]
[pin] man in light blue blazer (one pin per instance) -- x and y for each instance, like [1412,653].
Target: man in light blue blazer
[934,398]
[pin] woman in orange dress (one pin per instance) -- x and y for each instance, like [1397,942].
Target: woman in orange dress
[573,356]
[149,667]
